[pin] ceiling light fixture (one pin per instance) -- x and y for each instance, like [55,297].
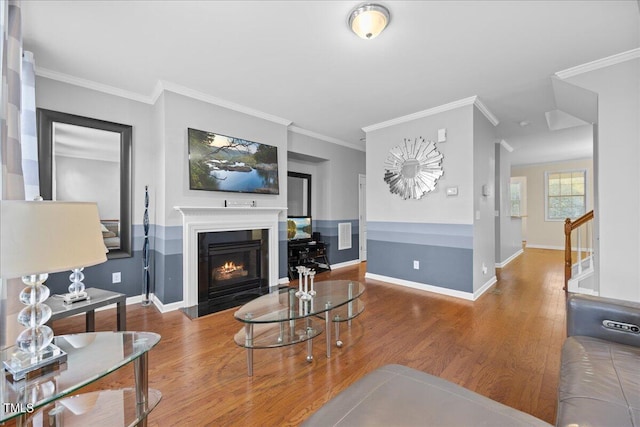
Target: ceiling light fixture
[368,20]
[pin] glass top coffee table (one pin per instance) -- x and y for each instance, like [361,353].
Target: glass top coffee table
[281,318]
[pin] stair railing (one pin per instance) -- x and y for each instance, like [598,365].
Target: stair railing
[569,227]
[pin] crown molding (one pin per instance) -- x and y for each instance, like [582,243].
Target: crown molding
[319,136]
[200,96]
[89,84]
[159,88]
[599,63]
[506,145]
[487,113]
[472,100]
[157,92]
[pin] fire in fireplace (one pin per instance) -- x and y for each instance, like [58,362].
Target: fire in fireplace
[229,270]
[232,269]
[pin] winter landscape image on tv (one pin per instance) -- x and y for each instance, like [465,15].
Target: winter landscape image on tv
[223,163]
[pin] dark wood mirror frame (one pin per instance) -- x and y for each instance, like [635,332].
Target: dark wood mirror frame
[46,119]
[307,177]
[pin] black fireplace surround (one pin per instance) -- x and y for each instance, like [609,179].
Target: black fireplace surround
[233,268]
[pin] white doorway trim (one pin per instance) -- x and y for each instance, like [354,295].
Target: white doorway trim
[362,216]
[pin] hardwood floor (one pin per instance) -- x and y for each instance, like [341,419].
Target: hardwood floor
[506,346]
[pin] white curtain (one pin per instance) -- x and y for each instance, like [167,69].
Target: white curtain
[10,149]
[18,154]
[29,139]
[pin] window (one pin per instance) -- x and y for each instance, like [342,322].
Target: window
[565,194]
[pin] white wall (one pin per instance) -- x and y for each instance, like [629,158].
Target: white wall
[335,186]
[618,157]
[78,179]
[58,96]
[457,164]
[541,233]
[181,113]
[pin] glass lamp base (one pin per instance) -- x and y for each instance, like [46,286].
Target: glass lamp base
[21,364]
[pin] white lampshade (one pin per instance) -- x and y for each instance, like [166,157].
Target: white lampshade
[38,237]
[369,19]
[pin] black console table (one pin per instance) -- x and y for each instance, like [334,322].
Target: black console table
[309,253]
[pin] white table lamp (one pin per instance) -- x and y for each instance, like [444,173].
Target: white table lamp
[38,238]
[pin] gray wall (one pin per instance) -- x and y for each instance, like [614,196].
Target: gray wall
[176,115]
[160,161]
[484,166]
[58,96]
[436,230]
[334,193]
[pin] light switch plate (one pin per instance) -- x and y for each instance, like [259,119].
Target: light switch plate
[452,191]
[442,135]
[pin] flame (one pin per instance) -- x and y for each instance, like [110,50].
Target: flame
[229,267]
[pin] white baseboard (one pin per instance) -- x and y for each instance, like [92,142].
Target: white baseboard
[345,264]
[508,260]
[283,281]
[421,286]
[436,289]
[484,288]
[556,248]
[584,291]
[165,308]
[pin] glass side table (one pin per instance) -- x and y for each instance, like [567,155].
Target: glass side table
[46,400]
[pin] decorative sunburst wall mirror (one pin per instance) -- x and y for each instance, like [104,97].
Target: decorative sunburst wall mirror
[412,169]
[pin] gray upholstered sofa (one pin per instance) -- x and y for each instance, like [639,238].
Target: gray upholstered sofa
[599,382]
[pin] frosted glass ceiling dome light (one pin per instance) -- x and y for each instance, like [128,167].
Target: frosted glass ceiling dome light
[368,20]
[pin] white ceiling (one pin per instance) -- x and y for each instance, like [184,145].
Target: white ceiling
[299,61]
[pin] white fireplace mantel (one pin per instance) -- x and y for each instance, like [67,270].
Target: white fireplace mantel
[205,219]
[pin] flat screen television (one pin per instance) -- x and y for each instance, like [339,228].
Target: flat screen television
[224,163]
[298,227]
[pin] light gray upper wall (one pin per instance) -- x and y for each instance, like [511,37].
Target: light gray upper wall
[157,191]
[484,166]
[508,229]
[337,177]
[318,194]
[66,98]
[434,207]
[616,164]
[182,113]
[77,180]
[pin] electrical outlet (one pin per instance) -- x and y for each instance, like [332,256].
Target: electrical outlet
[484,269]
[416,265]
[116,277]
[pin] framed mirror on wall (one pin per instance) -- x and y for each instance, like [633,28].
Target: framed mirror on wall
[86,159]
[298,194]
